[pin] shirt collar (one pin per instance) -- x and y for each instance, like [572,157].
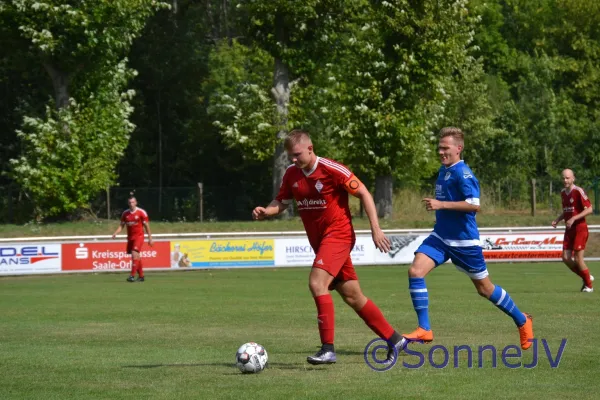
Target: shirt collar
[313,169]
[456,163]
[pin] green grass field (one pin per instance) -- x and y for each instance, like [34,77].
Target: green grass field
[175,336]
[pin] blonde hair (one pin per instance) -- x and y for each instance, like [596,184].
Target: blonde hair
[294,137]
[456,133]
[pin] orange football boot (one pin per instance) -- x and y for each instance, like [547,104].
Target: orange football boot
[419,335]
[526,332]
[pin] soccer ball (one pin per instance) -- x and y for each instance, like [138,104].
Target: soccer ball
[251,358]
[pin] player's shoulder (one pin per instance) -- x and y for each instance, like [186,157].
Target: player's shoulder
[126,212]
[464,171]
[334,167]
[142,211]
[291,171]
[579,190]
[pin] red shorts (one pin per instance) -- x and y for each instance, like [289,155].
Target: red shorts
[135,245]
[335,259]
[576,237]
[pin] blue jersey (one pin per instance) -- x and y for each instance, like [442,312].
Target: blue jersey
[457,228]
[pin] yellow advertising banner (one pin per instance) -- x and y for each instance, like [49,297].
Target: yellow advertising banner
[222,253]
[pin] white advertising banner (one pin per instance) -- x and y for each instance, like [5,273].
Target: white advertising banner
[525,246]
[298,252]
[29,258]
[496,247]
[403,249]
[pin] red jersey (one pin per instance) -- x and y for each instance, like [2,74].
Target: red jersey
[322,200]
[134,221]
[574,202]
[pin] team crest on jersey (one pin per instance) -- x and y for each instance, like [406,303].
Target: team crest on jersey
[295,184]
[571,200]
[448,174]
[319,186]
[467,174]
[137,217]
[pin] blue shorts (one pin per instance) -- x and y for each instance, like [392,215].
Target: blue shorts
[467,259]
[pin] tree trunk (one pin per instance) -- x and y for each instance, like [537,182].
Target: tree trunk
[281,93]
[61,82]
[384,190]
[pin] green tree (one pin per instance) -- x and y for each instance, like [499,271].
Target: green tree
[392,87]
[70,153]
[297,37]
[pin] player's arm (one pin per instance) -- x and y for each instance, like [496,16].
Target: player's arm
[469,190]
[279,204]
[274,208]
[119,229]
[355,187]
[469,205]
[586,211]
[147,229]
[558,219]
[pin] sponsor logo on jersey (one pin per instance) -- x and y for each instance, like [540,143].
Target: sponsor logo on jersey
[319,186]
[315,203]
[467,174]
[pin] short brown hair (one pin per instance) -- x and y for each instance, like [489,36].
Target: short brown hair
[294,137]
[456,133]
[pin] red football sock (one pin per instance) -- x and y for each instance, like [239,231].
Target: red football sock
[134,267]
[140,269]
[585,275]
[325,317]
[375,320]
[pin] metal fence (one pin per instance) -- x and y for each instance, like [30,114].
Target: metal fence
[195,203]
[537,194]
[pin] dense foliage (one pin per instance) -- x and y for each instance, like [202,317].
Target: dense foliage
[141,93]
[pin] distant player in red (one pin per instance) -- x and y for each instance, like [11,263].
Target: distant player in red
[576,206]
[320,188]
[136,221]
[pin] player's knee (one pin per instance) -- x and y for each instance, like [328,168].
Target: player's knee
[483,292]
[352,300]
[565,259]
[415,271]
[317,287]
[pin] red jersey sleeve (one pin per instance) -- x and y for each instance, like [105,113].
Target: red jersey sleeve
[123,220]
[145,217]
[342,177]
[583,199]
[285,195]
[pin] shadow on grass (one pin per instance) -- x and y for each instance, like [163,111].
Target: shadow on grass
[337,352]
[276,365]
[147,366]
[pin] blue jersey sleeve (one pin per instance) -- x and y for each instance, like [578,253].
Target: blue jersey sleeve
[469,186]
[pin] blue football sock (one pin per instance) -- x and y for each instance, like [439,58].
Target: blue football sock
[503,301]
[420,300]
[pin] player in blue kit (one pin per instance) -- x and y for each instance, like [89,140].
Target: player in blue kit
[456,237]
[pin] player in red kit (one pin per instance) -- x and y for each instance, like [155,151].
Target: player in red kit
[136,221]
[320,188]
[576,206]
